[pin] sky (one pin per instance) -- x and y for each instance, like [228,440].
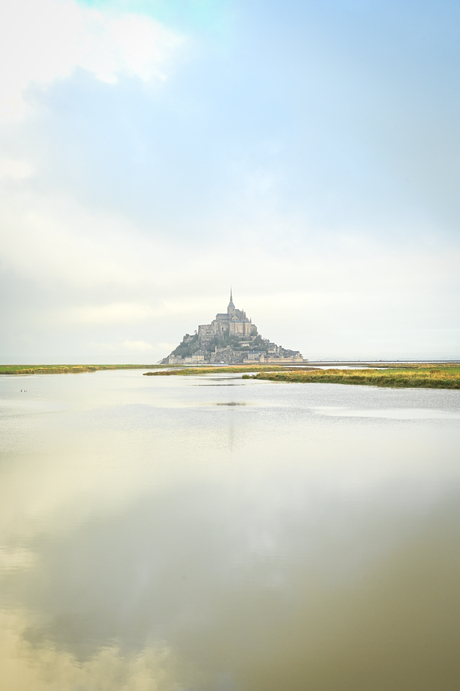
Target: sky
[155,152]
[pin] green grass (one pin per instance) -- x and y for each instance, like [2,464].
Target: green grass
[415,376]
[187,371]
[430,376]
[64,369]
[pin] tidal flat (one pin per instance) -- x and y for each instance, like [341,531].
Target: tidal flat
[430,376]
[212,533]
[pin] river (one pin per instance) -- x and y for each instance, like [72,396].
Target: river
[217,534]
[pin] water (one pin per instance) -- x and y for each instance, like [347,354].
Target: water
[215,534]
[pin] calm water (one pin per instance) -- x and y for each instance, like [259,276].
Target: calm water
[215,534]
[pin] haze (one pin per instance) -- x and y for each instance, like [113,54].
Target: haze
[154,152]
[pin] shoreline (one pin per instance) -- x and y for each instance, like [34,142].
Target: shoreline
[429,375]
[425,377]
[66,369]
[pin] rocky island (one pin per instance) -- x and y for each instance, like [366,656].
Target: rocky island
[231,338]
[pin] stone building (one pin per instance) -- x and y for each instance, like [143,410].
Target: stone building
[231,323]
[230,338]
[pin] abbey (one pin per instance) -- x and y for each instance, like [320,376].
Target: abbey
[230,338]
[232,323]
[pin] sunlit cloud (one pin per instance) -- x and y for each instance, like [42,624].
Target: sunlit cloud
[41,42]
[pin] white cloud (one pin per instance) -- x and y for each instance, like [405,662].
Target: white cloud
[114,313]
[46,40]
[53,239]
[166,347]
[138,346]
[15,169]
[133,346]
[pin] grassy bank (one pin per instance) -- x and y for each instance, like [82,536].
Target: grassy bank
[187,371]
[64,369]
[423,376]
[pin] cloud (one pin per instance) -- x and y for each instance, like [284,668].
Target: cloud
[49,238]
[114,313]
[137,345]
[166,347]
[41,42]
[259,165]
[15,169]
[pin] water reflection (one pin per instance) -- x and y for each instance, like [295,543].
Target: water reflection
[392,413]
[155,536]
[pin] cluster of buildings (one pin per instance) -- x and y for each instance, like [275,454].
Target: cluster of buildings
[231,338]
[232,323]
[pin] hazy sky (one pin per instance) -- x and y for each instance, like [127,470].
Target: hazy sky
[153,152]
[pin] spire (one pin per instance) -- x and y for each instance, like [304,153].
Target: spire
[231,306]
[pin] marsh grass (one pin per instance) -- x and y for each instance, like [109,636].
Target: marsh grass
[422,375]
[444,377]
[65,369]
[187,371]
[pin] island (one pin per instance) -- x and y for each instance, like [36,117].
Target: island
[231,338]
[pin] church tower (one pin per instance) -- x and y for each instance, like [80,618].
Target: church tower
[231,306]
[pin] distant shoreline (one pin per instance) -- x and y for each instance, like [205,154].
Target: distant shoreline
[438,374]
[66,369]
[381,363]
[426,375]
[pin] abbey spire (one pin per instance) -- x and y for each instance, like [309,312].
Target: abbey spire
[231,306]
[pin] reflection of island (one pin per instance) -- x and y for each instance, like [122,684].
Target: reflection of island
[230,338]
